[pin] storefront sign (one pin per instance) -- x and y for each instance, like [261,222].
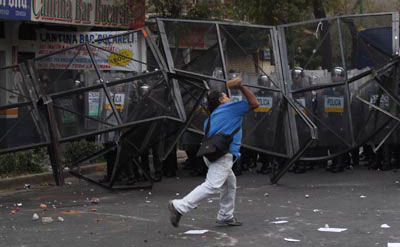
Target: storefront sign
[15,9]
[117,53]
[112,13]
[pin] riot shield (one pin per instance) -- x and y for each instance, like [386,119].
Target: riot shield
[20,127]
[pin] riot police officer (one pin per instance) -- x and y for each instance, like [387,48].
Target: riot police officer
[261,135]
[337,118]
[304,100]
[374,120]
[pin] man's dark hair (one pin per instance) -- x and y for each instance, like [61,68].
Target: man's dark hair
[213,100]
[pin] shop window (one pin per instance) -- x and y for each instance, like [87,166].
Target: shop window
[2,34]
[27,31]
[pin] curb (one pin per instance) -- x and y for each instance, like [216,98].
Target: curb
[46,177]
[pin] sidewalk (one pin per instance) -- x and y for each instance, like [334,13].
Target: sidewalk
[47,177]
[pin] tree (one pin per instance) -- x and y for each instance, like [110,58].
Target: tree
[167,8]
[193,9]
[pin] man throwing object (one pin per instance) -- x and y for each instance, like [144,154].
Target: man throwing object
[225,117]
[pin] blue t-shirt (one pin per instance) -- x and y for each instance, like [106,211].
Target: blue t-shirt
[225,119]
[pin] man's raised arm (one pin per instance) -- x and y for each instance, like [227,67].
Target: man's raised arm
[251,98]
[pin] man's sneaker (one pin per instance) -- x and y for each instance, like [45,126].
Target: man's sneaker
[175,215]
[231,222]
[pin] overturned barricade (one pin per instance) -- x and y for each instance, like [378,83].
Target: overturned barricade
[326,87]
[73,94]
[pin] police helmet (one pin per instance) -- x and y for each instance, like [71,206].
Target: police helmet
[297,73]
[143,89]
[263,81]
[337,72]
[218,73]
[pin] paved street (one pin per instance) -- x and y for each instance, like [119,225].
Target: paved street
[359,200]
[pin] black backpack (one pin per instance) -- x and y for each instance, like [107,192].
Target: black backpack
[215,146]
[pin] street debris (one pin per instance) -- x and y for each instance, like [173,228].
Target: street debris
[47,220]
[61,219]
[316,210]
[19,204]
[195,232]
[177,194]
[43,206]
[307,196]
[93,210]
[331,229]
[266,194]
[95,200]
[362,196]
[279,222]
[385,226]
[35,216]
[291,240]
[13,211]
[27,186]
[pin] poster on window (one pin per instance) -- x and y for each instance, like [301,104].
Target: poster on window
[119,52]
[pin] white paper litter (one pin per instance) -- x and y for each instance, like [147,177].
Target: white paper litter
[196,232]
[393,245]
[291,240]
[35,216]
[280,222]
[330,229]
[385,226]
[362,196]
[316,210]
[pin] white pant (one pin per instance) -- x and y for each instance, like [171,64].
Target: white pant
[220,178]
